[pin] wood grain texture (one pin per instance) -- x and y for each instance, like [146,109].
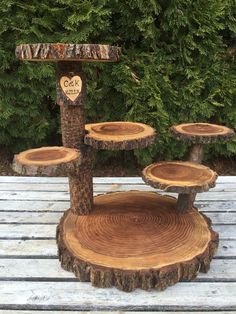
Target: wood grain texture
[119,135]
[74,296]
[134,240]
[68,52]
[179,176]
[204,133]
[49,161]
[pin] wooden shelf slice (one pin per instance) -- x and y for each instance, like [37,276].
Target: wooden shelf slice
[135,240]
[68,52]
[179,176]
[201,132]
[119,135]
[49,161]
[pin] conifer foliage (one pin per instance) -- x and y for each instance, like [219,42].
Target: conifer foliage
[178,65]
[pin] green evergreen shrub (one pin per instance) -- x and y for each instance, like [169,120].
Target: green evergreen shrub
[178,65]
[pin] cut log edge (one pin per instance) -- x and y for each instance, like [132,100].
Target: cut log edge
[64,166]
[168,187]
[129,280]
[131,144]
[201,139]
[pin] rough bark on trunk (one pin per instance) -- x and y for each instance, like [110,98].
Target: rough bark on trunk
[73,131]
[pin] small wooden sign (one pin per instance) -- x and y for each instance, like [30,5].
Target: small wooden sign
[71,86]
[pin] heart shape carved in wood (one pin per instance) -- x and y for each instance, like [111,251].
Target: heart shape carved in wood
[71,86]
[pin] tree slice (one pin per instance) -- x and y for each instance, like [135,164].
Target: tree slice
[179,176]
[201,132]
[68,52]
[135,240]
[49,161]
[119,135]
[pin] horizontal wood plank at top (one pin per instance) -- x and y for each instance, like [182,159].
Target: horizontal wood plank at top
[221,270]
[59,196]
[48,248]
[54,217]
[72,295]
[99,188]
[103,312]
[97,180]
[29,205]
[18,231]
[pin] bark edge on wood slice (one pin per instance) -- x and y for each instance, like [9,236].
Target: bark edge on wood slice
[201,132]
[68,52]
[119,135]
[179,176]
[48,161]
[153,247]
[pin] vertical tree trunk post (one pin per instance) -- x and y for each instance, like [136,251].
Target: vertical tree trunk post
[71,97]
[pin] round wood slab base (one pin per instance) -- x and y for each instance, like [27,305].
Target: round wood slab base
[135,240]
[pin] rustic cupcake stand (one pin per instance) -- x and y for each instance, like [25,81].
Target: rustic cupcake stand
[131,239]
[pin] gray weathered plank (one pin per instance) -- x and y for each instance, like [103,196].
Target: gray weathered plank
[55,205]
[19,231]
[54,217]
[221,270]
[103,312]
[100,180]
[48,248]
[100,188]
[81,296]
[54,196]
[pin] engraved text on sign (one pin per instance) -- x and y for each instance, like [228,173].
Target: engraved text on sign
[71,86]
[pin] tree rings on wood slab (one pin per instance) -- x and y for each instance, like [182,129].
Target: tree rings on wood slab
[179,176]
[135,240]
[68,52]
[49,161]
[119,135]
[201,132]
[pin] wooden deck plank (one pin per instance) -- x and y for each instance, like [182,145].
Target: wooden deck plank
[59,196]
[105,312]
[50,269]
[77,296]
[54,217]
[100,180]
[31,277]
[37,231]
[47,248]
[59,206]
[99,188]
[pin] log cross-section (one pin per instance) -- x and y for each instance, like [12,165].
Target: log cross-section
[136,240]
[180,177]
[48,161]
[119,135]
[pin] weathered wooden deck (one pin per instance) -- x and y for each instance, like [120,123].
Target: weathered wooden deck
[31,277]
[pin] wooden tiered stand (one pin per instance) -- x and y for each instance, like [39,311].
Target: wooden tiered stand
[128,239]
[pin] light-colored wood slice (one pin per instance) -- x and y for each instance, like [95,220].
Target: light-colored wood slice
[49,161]
[135,240]
[119,135]
[179,176]
[201,132]
[68,52]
